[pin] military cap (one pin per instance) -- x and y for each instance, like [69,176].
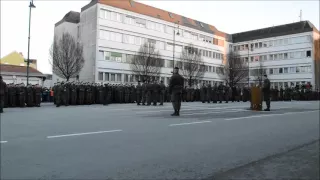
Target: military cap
[176,68]
[265,75]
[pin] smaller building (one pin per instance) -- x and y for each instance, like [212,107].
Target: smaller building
[17,59]
[18,74]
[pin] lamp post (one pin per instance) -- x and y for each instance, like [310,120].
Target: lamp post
[174,42]
[31,5]
[249,48]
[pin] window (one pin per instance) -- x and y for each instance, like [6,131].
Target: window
[104,34]
[246,59]
[265,58]
[285,55]
[285,70]
[251,58]
[285,41]
[297,69]
[210,54]
[271,57]
[280,42]
[260,44]
[113,77]
[169,64]
[270,71]
[119,77]
[265,44]
[303,69]
[159,27]
[280,70]
[169,29]
[213,69]
[275,56]
[114,56]
[100,55]
[207,53]
[128,39]
[291,54]
[309,69]
[276,71]
[106,76]
[129,58]
[151,25]
[281,56]
[169,47]
[115,16]
[270,43]
[308,53]
[140,22]
[100,76]
[126,78]
[105,14]
[292,69]
[256,45]
[129,20]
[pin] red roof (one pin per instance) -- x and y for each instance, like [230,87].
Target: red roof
[153,12]
[17,69]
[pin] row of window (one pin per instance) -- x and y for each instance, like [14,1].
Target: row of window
[129,78]
[282,70]
[278,56]
[127,58]
[289,84]
[114,16]
[130,39]
[272,43]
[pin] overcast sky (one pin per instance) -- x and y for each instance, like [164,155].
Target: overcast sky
[227,16]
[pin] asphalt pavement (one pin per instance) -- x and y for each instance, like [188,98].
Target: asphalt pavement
[126,141]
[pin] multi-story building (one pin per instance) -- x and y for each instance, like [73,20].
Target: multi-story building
[113,31]
[285,53]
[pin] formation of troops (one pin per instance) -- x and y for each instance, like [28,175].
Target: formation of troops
[20,95]
[146,93]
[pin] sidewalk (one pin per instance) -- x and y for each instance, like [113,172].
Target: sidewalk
[300,163]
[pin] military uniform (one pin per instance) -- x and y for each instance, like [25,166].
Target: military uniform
[266,92]
[175,88]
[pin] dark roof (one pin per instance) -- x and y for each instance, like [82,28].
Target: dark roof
[19,70]
[144,9]
[71,17]
[286,29]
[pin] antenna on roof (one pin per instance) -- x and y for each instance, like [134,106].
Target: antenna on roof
[300,16]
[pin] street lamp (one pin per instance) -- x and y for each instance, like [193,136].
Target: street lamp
[249,48]
[174,41]
[31,5]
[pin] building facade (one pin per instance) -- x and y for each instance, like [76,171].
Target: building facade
[113,31]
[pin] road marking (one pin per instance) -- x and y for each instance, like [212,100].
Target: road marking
[80,134]
[216,112]
[266,115]
[3,142]
[197,122]
[227,107]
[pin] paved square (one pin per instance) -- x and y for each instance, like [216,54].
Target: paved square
[126,141]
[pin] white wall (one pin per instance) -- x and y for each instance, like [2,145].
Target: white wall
[88,37]
[64,27]
[21,79]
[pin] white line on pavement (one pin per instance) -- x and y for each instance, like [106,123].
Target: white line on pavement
[266,115]
[227,107]
[197,122]
[80,134]
[3,142]
[216,112]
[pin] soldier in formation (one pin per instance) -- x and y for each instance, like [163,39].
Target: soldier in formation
[19,95]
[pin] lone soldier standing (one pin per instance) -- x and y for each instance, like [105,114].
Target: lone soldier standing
[3,89]
[175,88]
[139,93]
[266,92]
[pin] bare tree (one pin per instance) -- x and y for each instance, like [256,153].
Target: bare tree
[235,70]
[191,65]
[147,63]
[66,56]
